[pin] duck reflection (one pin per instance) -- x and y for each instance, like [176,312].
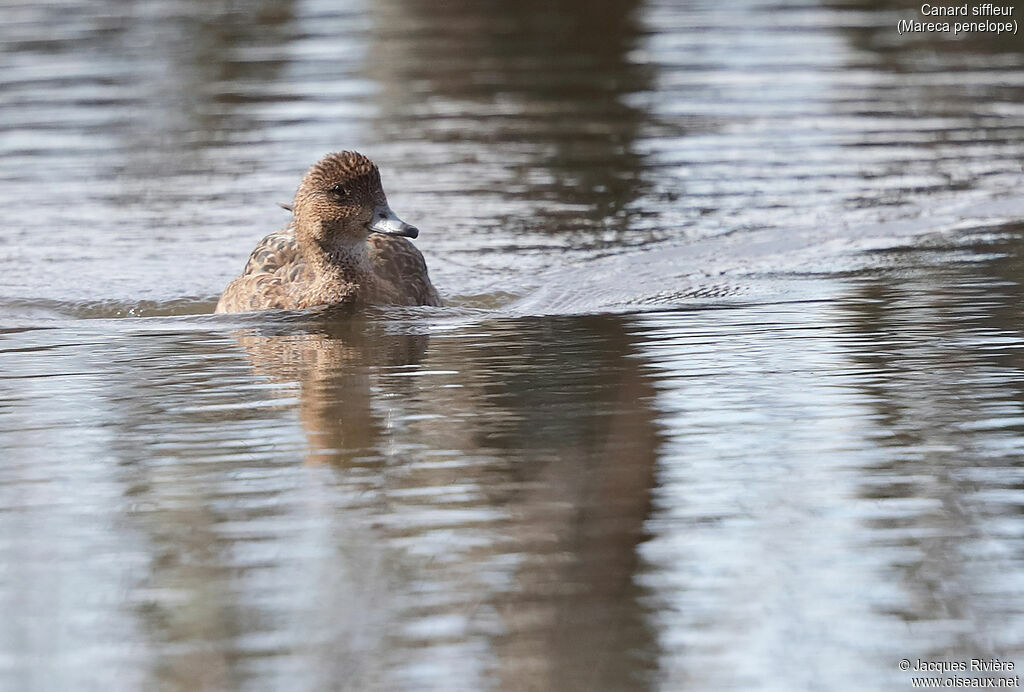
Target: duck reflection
[333,363]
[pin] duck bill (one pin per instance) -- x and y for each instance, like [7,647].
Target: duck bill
[385,221]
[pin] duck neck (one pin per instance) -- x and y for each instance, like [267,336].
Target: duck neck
[344,259]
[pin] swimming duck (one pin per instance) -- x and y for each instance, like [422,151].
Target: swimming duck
[343,245]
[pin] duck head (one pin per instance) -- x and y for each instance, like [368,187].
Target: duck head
[340,202]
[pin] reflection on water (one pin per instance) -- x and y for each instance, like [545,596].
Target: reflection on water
[522,77]
[333,366]
[727,395]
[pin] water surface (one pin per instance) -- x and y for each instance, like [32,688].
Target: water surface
[727,394]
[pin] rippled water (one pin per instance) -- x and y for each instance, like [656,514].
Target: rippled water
[728,395]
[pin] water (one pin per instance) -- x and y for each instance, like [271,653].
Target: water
[727,394]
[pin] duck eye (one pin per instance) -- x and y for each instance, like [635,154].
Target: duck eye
[339,190]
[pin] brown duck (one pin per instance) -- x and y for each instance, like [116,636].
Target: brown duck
[344,245]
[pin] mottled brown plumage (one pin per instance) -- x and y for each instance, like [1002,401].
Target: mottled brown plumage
[344,245]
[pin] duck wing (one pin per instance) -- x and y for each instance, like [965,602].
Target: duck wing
[277,251]
[274,267]
[400,264]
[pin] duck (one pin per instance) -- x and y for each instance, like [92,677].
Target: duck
[343,246]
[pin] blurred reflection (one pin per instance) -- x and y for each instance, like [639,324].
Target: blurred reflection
[947,400]
[541,86]
[334,364]
[207,49]
[595,635]
[203,52]
[934,104]
[562,410]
